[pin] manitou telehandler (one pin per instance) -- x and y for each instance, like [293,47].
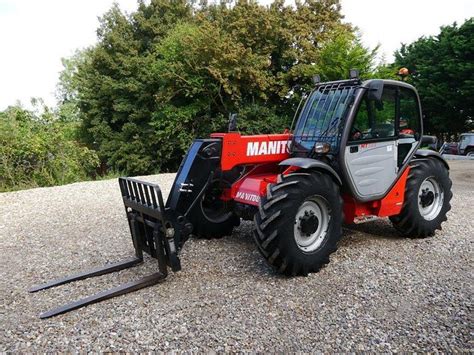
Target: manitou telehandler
[352,155]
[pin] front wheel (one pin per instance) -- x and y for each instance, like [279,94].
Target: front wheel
[427,199]
[299,222]
[212,217]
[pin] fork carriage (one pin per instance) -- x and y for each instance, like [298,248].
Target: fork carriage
[151,232]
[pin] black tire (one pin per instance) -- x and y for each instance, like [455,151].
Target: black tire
[213,218]
[410,222]
[274,230]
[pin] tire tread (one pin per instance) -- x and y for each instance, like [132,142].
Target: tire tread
[281,198]
[409,222]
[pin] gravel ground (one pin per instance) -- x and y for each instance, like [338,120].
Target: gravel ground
[379,293]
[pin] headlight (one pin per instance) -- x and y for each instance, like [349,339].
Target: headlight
[322,148]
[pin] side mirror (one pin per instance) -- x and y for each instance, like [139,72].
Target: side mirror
[427,140]
[375,90]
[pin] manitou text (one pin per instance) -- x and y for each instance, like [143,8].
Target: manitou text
[266,148]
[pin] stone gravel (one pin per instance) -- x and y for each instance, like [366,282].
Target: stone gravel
[380,292]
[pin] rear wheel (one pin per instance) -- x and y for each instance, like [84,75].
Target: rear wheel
[213,217]
[427,199]
[299,222]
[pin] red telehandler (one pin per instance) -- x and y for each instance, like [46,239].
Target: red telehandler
[352,155]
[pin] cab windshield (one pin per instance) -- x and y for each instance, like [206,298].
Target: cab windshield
[322,114]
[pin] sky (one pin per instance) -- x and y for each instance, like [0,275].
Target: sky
[36,34]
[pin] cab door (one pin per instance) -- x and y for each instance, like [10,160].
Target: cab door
[371,154]
[409,124]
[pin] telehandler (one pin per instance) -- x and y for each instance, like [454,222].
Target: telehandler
[351,156]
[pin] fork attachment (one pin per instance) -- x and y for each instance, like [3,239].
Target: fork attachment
[154,231]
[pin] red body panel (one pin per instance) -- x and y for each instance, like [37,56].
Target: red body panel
[253,185]
[390,205]
[250,150]
[264,152]
[251,188]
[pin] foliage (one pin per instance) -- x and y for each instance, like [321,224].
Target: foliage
[442,69]
[342,52]
[173,71]
[39,150]
[68,110]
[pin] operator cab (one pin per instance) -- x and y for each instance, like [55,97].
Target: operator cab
[367,131]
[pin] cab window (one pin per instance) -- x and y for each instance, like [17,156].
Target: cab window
[375,120]
[409,123]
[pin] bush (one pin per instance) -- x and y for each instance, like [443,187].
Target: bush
[41,151]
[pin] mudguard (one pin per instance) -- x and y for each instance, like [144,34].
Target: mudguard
[308,163]
[426,153]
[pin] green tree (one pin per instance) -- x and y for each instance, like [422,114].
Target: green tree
[66,90]
[116,89]
[172,71]
[442,69]
[341,52]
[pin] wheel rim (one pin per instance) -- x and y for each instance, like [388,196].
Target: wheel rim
[312,223]
[430,198]
[470,154]
[213,208]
